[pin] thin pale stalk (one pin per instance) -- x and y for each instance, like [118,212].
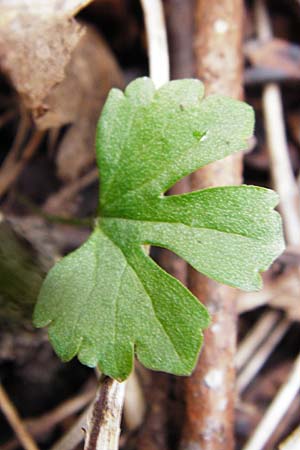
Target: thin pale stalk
[134,403]
[157,41]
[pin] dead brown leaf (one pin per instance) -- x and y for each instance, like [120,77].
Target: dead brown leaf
[90,74]
[36,42]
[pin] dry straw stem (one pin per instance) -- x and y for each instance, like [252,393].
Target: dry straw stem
[276,410]
[15,421]
[134,403]
[255,337]
[157,41]
[260,357]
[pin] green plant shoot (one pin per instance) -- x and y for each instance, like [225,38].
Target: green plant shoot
[108,300]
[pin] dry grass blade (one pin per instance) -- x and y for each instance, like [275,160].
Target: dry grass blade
[103,424]
[38,426]
[255,337]
[15,421]
[261,356]
[276,410]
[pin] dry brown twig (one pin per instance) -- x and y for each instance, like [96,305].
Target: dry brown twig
[13,154]
[7,116]
[208,421]
[11,170]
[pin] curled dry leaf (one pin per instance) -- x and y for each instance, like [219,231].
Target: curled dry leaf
[36,43]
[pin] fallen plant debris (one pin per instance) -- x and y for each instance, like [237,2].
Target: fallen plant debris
[58,61]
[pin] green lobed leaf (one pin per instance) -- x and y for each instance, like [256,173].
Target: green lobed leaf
[109,299]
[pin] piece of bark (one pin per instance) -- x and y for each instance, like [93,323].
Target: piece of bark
[209,392]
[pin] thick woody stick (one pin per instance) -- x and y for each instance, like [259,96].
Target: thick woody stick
[210,393]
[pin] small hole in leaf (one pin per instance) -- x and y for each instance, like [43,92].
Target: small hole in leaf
[199,135]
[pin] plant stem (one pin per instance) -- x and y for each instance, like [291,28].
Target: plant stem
[105,417]
[53,218]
